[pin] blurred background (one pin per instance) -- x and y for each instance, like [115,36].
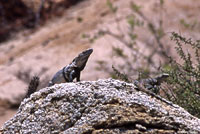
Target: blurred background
[39,37]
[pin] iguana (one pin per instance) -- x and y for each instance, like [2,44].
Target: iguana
[73,70]
[151,86]
[67,74]
[152,83]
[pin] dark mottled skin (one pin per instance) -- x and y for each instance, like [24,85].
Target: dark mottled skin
[152,83]
[73,70]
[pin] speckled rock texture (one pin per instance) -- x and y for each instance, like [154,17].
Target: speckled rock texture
[98,107]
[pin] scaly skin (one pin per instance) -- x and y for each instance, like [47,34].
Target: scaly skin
[151,86]
[152,83]
[73,70]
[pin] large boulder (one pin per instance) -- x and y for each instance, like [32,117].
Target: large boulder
[94,107]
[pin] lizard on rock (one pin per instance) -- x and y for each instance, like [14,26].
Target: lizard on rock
[152,83]
[73,70]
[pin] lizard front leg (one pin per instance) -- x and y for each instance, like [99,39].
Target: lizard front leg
[71,75]
[78,74]
[74,74]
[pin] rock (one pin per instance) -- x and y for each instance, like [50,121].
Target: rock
[94,107]
[15,15]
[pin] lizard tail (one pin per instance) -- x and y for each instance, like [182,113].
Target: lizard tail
[34,83]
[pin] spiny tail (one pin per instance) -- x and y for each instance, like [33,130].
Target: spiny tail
[34,83]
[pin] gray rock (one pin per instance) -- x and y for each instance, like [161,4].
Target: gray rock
[98,107]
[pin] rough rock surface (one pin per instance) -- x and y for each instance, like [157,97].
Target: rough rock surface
[94,107]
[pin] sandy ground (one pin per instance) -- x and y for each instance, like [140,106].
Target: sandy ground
[55,44]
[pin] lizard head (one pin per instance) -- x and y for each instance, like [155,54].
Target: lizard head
[81,60]
[162,77]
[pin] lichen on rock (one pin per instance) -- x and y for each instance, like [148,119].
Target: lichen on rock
[94,107]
